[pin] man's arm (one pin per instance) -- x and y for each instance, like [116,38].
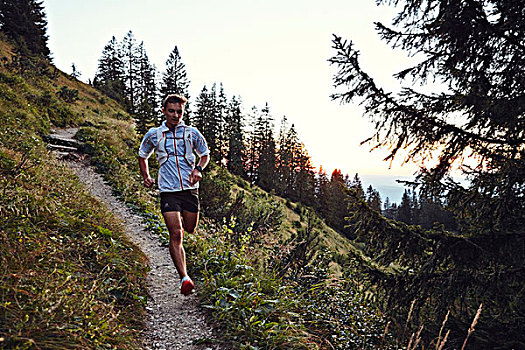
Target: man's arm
[144,171]
[196,175]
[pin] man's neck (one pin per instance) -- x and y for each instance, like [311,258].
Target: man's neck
[173,126]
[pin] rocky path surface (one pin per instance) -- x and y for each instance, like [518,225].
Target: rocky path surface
[173,321]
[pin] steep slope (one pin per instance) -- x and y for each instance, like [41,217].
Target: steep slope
[70,278]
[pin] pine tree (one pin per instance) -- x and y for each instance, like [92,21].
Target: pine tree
[337,201]
[405,212]
[203,106]
[110,72]
[254,139]
[208,120]
[286,141]
[146,93]
[304,178]
[267,150]
[322,199]
[175,81]
[476,50]
[130,57]
[75,73]
[24,21]
[236,148]
[373,198]
[213,125]
[221,107]
[356,195]
[294,167]
[357,186]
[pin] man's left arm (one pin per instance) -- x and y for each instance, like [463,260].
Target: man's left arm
[202,150]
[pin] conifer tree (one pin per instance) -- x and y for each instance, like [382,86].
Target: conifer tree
[203,108]
[254,139]
[357,186]
[175,81]
[430,211]
[322,202]
[207,119]
[213,125]
[266,149]
[110,72]
[236,148]
[146,92]
[75,73]
[338,201]
[356,194]
[294,167]
[130,58]
[285,158]
[405,212]
[476,50]
[221,107]
[305,177]
[373,198]
[24,21]
[389,209]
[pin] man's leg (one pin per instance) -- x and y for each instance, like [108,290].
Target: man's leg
[173,221]
[189,221]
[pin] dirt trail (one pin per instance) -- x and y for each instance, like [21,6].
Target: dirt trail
[173,321]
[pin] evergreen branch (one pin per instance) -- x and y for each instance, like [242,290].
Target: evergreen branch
[378,101]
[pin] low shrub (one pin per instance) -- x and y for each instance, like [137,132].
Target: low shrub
[67,94]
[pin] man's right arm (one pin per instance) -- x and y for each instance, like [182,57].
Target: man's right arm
[146,148]
[144,171]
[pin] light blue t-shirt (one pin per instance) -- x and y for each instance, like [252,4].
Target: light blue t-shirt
[174,174]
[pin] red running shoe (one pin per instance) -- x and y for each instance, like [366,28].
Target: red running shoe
[187,286]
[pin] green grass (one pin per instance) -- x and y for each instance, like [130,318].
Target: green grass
[69,277]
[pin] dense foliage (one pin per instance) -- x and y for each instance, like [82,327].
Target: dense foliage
[475,50]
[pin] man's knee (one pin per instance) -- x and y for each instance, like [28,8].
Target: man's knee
[176,235]
[190,229]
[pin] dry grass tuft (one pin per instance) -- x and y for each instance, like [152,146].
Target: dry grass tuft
[474,323]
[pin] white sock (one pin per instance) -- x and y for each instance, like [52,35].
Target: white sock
[185,278]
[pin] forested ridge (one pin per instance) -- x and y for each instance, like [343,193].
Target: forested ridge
[271,271]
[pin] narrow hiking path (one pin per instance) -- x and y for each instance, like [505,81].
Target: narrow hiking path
[173,321]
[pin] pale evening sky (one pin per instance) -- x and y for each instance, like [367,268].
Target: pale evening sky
[273,51]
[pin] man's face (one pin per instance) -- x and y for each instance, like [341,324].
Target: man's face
[173,113]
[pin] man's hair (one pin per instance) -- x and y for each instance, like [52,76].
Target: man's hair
[174,98]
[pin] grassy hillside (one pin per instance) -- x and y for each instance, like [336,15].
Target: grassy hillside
[266,267]
[69,277]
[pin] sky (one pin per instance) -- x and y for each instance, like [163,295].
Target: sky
[273,51]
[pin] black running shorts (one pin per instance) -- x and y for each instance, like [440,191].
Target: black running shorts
[181,200]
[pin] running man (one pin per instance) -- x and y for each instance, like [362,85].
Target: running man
[174,144]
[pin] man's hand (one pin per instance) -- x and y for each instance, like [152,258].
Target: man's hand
[195,177]
[148,182]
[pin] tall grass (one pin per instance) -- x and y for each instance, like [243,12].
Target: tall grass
[69,277]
